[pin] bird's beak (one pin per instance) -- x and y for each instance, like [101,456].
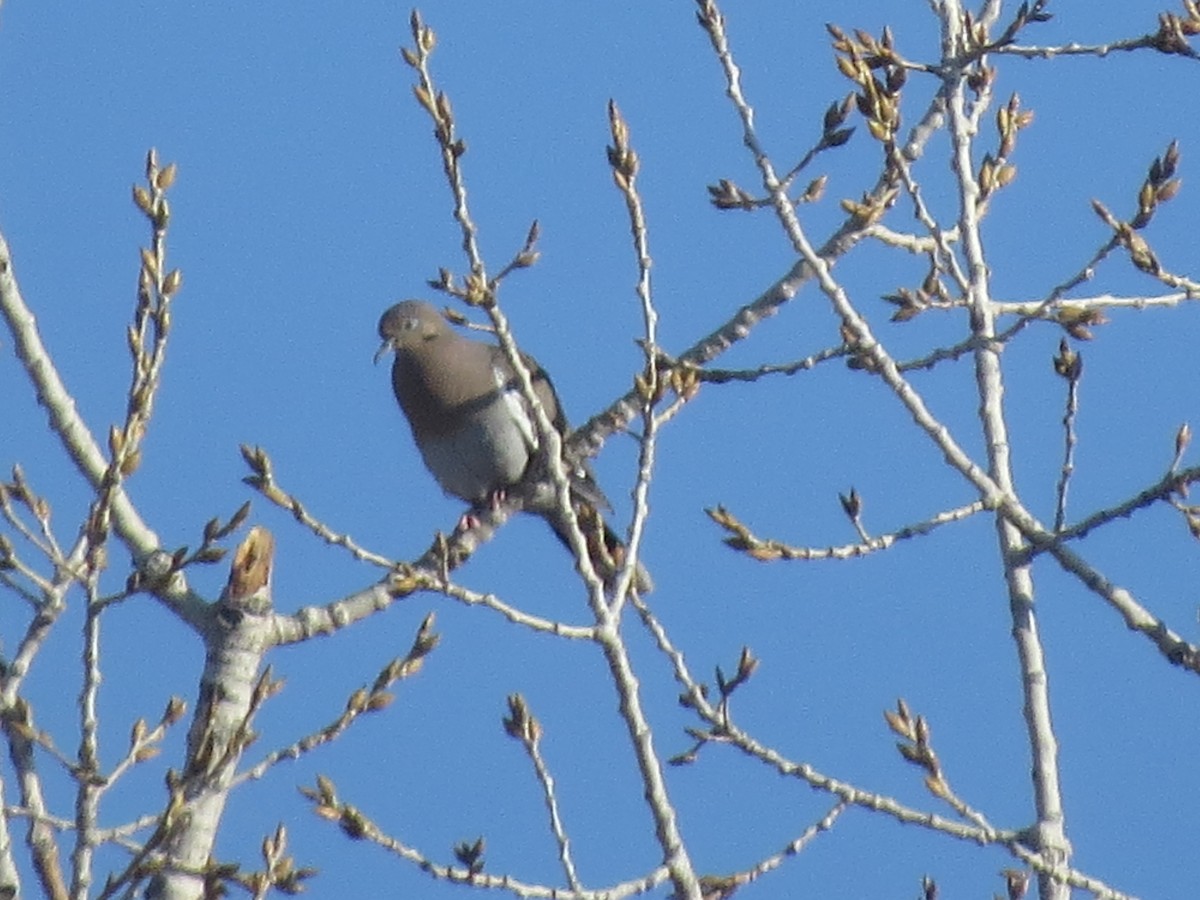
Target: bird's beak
[383,349]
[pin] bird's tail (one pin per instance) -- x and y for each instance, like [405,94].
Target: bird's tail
[605,548]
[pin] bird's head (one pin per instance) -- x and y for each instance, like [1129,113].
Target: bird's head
[409,325]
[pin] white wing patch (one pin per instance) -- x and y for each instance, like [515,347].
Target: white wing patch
[518,409]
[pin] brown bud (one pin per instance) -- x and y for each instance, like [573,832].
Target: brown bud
[851,504]
[1183,438]
[164,178]
[141,197]
[172,282]
[176,707]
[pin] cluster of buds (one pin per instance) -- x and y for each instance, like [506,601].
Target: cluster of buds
[1160,186]
[996,171]
[1068,363]
[909,303]
[147,335]
[875,67]
[436,103]
[916,747]
[1174,30]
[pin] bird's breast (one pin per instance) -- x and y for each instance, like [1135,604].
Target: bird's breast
[487,451]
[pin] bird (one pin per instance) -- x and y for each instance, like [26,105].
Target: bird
[475,430]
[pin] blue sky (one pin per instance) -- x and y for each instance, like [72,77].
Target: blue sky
[310,197]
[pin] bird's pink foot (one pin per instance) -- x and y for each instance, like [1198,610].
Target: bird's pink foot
[468,521]
[491,503]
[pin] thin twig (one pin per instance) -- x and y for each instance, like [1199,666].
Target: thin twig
[624,162]
[521,725]
[742,539]
[1069,441]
